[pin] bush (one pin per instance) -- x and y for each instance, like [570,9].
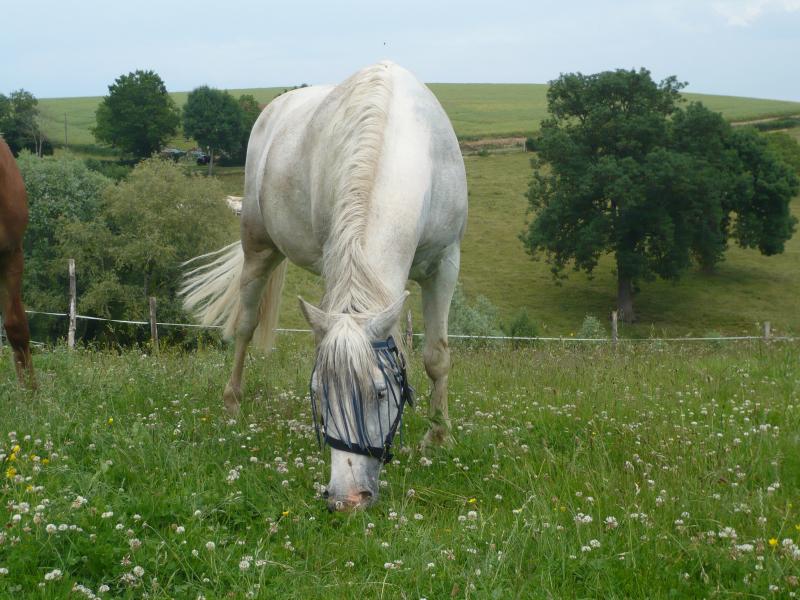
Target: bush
[591,328]
[772,125]
[478,318]
[111,169]
[521,325]
[531,144]
[786,148]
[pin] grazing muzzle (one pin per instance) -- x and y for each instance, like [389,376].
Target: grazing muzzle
[335,432]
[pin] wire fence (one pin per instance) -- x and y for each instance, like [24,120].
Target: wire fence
[766,336]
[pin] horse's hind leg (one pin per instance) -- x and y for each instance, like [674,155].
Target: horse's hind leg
[437,291]
[14,319]
[255,274]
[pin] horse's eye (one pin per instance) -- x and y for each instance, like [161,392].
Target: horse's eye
[381,392]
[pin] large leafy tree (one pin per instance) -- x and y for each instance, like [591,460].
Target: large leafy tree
[250,113]
[20,122]
[138,116]
[624,169]
[213,118]
[60,192]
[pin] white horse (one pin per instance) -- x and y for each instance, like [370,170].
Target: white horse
[364,184]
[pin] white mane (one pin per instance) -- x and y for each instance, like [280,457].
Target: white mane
[357,131]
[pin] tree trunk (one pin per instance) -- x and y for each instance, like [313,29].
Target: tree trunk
[625,299]
[210,161]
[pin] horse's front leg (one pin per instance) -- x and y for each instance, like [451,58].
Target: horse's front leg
[437,292]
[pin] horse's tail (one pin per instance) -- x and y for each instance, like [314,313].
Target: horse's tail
[211,292]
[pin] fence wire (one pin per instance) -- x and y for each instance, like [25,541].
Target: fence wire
[456,336]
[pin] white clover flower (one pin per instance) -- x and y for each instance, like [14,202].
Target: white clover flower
[180,529]
[138,571]
[53,575]
[244,564]
[210,546]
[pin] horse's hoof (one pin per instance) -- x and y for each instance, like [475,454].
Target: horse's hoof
[437,437]
[232,400]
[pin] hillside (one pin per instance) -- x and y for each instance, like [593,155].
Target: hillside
[476,109]
[746,289]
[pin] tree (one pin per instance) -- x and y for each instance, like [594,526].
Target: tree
[214,119]
[624,169]
[138,116]
[59,192]
[250,113]
[19,122]
[145,227]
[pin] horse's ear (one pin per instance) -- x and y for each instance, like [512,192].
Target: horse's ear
[380,326]
[318,319]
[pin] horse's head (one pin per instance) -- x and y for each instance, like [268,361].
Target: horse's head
[358,391]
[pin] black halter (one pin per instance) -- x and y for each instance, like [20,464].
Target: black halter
[393,367]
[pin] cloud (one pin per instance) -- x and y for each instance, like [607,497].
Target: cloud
[742,13]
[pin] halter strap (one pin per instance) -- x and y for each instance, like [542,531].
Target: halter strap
[397,371]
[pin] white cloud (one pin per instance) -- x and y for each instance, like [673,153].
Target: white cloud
[741,13]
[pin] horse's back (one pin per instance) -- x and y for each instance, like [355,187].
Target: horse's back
[13,201]
[381,137]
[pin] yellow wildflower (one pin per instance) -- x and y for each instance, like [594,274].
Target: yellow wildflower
[285,513]
[110,420]
[11,472]
[797,527]
[773,542]
[12,457]
[45,461]
[29,488]
[472,500]
[15,449]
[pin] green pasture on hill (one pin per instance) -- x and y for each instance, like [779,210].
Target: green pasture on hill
[476,109]
[746,289]
[655,471]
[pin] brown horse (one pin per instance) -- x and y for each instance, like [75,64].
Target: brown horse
[13,221]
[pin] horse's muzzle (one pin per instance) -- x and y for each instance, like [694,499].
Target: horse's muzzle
[355,500]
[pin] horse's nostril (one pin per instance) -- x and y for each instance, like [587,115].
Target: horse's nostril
[326,494]
[365,496]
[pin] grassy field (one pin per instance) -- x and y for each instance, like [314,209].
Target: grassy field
[656,471]
[476,110]
[746,290]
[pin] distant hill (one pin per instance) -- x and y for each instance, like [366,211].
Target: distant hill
[477,110]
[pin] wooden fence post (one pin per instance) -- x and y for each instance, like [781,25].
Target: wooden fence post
[153,325]
[409,332]
[614,331]
[767,330]
[72,304]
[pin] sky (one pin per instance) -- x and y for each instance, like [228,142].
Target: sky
[60,48]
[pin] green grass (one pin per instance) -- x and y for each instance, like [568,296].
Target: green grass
[653,471]
[476,109]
